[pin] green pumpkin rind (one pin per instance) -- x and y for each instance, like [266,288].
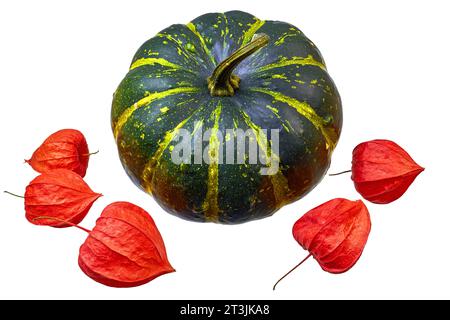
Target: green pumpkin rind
[283,86]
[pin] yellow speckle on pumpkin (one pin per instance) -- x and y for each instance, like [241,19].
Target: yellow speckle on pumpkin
[142,136]
[313,81]
[164,109]
[274,110]
[279,76]
[298,61]
[190,47]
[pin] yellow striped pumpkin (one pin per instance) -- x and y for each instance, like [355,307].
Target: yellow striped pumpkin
[227,71]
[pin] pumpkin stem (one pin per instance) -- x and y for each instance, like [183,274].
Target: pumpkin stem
[298,265]
[223,82]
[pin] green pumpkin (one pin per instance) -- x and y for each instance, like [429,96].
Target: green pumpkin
[227,71]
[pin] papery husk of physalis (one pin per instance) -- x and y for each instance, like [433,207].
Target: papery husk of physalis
[125,248]
[61,194]
[334,234]
[64,149]
[382,171]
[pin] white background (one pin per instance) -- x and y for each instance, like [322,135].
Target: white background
[60,63]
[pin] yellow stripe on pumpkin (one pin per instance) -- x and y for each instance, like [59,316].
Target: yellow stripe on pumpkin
[149,169]
[308,61]
[306,111]
[278,180]
[193,29]
[145,101]
[153,61]
[248,35]
[285,35]
[211,205]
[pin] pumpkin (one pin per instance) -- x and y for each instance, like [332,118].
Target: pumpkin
[227,71]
